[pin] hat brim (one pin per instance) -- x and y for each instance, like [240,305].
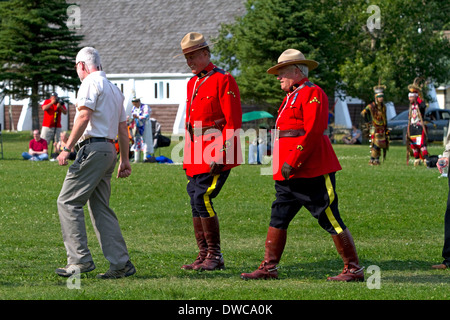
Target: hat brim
[193,49]
[311,64]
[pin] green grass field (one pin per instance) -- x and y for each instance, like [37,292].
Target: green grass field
[395,213]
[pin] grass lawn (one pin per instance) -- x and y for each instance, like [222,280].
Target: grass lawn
[395,213]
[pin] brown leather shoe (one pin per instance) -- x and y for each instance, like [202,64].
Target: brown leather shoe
[214,259]
[263,272]
[439,266]
[346,248]
[347,275]
[201,243]
[275,242]
[212,262]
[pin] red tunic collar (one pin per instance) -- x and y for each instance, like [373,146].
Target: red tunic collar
[295,86]
[204,72]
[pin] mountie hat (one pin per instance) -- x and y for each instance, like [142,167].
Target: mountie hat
[193,41]
[292,56]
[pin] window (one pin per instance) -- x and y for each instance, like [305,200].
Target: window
[161,90]
[160,87]
[445,115]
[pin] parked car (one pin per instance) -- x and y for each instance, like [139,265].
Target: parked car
[435,120]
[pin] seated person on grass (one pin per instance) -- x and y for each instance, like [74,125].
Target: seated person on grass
[37,148]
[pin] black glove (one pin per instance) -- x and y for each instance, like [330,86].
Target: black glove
[215,168]
[286,171]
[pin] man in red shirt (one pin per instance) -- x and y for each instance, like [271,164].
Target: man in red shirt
[212,144]
[304,166]
[51,125]
[37,148]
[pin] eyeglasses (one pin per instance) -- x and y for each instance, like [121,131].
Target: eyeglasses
[76,65]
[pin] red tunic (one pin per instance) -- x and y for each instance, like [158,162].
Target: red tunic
[213,100]
[311,155]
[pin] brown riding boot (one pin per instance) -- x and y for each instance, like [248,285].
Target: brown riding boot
[213,259]
[275,242]
[346,248]
[201,243]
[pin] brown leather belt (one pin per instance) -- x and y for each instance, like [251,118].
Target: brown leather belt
[92,140]
[291,133]
[218,125]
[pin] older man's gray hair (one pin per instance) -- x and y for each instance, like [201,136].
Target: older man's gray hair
[303,68]
[90,56]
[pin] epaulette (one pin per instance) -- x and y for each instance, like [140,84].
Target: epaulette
[220,70]
[310,84]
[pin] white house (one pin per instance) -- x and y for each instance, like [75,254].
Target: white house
[138,41]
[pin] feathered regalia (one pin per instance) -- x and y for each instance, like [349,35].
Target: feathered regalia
[375,117]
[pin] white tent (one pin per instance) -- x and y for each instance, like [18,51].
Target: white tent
[341,115]
[390,110]
[433,102]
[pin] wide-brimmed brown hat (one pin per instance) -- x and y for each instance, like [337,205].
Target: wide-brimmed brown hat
[193,41]
[292,56]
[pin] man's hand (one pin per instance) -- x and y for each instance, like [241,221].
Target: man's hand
[215,168]
[62,158]
[124,169]
[286,171]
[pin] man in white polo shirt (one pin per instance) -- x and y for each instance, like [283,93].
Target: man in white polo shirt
[99,119]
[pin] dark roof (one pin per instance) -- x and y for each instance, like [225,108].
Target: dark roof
[143,36]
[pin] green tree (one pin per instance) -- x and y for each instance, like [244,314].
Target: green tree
[254,42]
[407,44]
[37,50]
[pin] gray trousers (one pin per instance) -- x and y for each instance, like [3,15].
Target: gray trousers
[88,180]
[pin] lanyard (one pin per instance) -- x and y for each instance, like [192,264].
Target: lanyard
[195,90]
[295,93]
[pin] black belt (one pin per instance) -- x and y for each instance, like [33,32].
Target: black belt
[91,140]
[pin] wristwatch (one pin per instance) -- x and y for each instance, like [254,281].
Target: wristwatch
[66,149]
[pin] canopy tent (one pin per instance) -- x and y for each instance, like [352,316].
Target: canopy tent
[255,115]
[341,115]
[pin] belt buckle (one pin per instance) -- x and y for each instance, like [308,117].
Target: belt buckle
[79,145]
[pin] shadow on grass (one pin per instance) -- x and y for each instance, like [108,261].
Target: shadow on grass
[392,271]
